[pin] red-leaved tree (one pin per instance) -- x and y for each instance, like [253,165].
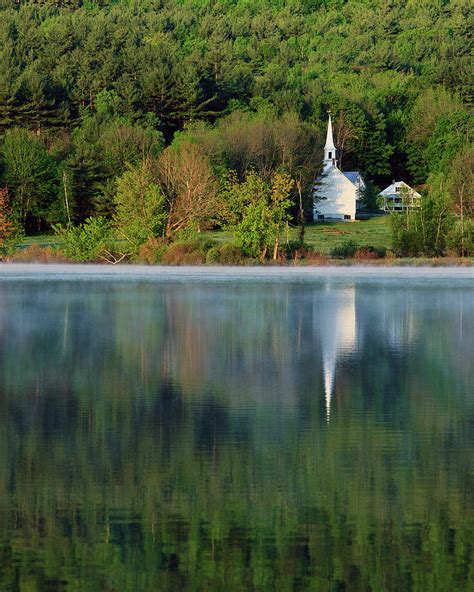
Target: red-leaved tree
[8,228]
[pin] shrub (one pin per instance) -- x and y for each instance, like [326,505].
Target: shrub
[182,254]
[314,257]
[369,252]
[225,255]
[213,255]
[230,254]
[193,252]
[38,254]
[345,250]
[152,251]
[87,242]
[461,243]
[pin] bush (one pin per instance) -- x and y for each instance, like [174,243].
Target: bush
[314,257]
[294,249]
[87,242]
[193,252]
[38,254]
[344,251]
[152,251]
[225,255]
[407,241]
[369,252]
[462,244]
[213,255]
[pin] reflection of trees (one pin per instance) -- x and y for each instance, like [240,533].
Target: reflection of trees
[164,438]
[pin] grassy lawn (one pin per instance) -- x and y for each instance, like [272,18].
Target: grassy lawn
[323,237]
[42,240]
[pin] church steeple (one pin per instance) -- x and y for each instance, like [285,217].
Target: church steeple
[329,148]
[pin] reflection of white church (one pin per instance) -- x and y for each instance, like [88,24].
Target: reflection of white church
[339,330]
[343,331]
[335,194]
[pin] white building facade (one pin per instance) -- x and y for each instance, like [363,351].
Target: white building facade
[399,197]
[335,194]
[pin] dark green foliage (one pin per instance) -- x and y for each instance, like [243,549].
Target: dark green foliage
[102,85]
[345,251]
[370,197]
[30,175]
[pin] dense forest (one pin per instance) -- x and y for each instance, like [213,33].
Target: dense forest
[186,111]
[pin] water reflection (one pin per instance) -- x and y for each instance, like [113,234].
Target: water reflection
[242,435]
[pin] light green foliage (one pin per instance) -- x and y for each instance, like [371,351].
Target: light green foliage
[88,242]
[425,230]
[258,211]
[453,132]
[255,232]
[139,206]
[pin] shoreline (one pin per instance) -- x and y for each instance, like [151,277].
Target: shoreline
[98,271]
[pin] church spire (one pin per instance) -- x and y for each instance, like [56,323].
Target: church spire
[329,148]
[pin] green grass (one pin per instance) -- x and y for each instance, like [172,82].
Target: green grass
[323,237]
[42,240]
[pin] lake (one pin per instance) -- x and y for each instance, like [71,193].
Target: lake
[237,429]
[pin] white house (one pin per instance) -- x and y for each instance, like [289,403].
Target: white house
[335,193]
[399,196]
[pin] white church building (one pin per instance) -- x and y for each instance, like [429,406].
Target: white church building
[335,194]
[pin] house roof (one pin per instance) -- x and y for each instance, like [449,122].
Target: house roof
[391,189]
[352,175]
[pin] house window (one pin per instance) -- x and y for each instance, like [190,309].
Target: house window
[320,217]
[397,189]
[347,217]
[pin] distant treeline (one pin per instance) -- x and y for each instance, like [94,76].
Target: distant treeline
[89,90]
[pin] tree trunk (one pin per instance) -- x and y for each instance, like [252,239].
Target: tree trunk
[461,196]
[275,248]
[301,212]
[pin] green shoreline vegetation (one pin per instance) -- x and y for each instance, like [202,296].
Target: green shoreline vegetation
[322,241]
[192,131]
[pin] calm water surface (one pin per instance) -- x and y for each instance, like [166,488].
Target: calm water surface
[251,434]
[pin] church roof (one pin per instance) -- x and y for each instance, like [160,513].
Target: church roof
[329,139]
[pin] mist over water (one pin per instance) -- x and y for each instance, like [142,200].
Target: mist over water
[195,431]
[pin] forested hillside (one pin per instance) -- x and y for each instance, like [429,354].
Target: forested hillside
[90,90]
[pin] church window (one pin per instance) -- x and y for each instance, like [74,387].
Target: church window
[330,155]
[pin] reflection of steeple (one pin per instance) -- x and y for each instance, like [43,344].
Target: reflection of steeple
[338,334]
